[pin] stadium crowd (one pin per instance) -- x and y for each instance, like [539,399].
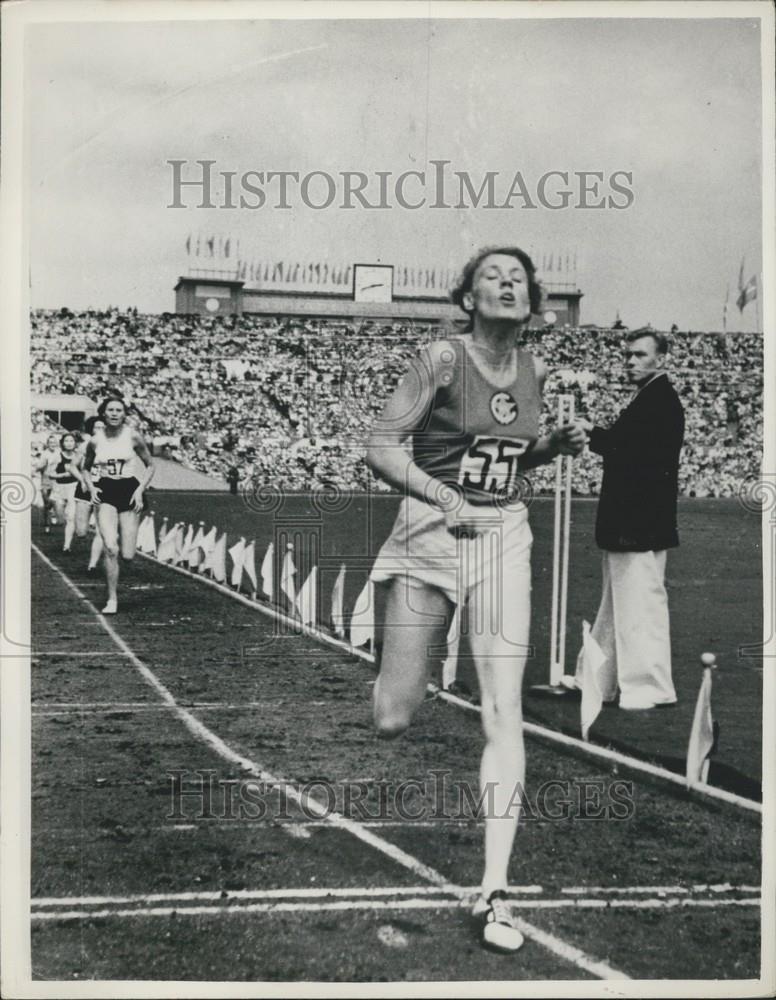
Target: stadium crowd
[289,402]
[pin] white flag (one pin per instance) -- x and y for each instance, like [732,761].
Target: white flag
[162,535]
[237,552]
[249,565]
[287,578]
[208,545]
[268,572]
[142,534]
[337,596]
[186,544]
[592,699]
[180,535]
[218,560]
[307,600]
[701,734]
[150,538]
[166,551]
[362,628]
[450,666]
[195,550]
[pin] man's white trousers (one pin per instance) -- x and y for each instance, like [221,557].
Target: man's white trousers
[632,629]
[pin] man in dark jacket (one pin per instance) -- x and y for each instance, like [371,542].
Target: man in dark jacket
[635,525]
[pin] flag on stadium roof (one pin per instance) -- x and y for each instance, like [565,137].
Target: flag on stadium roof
[702,734]
[268,572]
[362,626]
[337,596]
[747,294]
[236,554]
[307,600]
[592,699]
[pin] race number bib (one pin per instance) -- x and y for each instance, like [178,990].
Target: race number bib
[491,464]
[114,467]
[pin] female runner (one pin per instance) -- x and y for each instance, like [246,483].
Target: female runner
[469,407]
[116,492]
[83,498]
[65,481]
[45,465]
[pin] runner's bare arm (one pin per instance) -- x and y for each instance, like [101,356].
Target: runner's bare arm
[388,453]
[141,449]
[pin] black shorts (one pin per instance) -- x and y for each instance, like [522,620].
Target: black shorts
[82,494]
[117,492]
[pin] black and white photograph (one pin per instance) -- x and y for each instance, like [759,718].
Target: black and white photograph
[291,292]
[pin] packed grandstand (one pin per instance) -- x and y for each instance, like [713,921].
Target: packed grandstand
[289,402]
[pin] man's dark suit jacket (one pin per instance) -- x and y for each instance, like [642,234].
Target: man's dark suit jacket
[637,508]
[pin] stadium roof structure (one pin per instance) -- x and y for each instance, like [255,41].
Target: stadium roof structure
[63,402]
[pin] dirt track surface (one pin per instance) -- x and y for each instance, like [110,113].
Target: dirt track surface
[107,822]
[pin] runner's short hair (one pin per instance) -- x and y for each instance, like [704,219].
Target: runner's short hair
[113,398]
[467,276]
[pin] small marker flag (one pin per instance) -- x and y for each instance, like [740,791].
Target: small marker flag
[249,564]
[287,578]
[236,554]
[702,734]
[268,572]
[592,699]
[337,596]
[307,600]
[218,560]
[362,627]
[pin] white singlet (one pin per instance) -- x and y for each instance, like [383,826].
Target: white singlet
[114,457]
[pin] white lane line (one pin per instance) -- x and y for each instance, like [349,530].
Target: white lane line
[98,708]
[581,890]
[319,892]
[75,652]
[541,937]
[307,802]
[323,892]
[699,790]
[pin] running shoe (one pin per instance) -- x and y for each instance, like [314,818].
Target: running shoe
[110,608]
[499,931]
